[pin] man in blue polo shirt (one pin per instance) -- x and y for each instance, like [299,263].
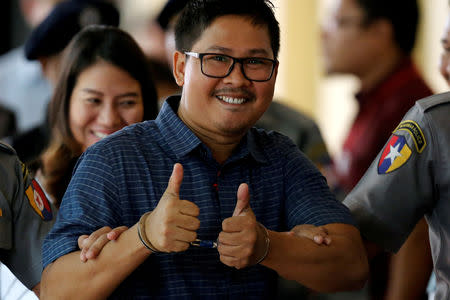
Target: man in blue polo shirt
[208,198]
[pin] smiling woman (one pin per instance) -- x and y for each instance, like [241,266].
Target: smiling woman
[104,86]
[101,105]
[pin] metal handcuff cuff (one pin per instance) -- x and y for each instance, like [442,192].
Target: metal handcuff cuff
[212,244]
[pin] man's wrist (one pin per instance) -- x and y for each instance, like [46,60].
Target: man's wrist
[142,234]
[266,241]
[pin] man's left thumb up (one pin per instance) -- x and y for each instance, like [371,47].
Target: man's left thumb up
[243,200]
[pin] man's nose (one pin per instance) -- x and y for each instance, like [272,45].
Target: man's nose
[237,76]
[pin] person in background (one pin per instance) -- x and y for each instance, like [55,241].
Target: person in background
[373,40]
[182,183]
[408,179]
[401,186]
[104,86]
[424,180]
[106,74]
[26,216]
[45,45]
[20,78]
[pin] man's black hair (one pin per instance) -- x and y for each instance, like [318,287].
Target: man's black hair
[199,14]
[402,14]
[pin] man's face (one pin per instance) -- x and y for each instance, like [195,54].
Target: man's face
[224,107]
[346,42]
[444,65]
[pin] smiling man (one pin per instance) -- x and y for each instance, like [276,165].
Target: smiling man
[208,198]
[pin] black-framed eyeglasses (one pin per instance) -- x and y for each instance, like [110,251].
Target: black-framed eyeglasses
[218,65]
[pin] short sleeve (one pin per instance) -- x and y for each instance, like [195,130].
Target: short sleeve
[397,190]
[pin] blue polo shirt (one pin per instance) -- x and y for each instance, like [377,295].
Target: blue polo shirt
[123,176]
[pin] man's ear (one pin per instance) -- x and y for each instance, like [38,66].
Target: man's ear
[179,62]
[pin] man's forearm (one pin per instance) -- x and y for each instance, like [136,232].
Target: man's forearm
[342,265]
[96,278]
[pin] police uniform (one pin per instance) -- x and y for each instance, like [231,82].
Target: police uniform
[410,178]
[25,218]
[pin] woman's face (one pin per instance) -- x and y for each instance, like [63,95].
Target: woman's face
[105,99]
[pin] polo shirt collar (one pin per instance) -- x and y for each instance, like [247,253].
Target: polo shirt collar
[182,140]
[178,136]
[255,149]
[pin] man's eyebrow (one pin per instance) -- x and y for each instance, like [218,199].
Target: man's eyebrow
[225,50]
[218,48]
[259,51]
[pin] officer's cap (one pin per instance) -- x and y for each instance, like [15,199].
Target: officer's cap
[171,8]
[64,22]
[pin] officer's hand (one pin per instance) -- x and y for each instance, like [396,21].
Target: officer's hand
[91,245]
[317,234]
[242,240]
[172,225]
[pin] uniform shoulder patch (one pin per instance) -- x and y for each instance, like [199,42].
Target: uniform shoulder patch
[416,133]
[7,148]
[395,154]
[38,201]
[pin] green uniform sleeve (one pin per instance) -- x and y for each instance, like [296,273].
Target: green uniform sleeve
[26,218]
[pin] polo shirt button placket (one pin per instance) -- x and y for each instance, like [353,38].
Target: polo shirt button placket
[216,185]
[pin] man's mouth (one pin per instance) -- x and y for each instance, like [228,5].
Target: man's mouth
[232,100]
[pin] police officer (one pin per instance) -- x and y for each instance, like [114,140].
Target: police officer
[25,218]
[410,178]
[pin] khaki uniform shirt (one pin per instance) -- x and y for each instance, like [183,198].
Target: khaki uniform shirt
[25,218]
[410,178]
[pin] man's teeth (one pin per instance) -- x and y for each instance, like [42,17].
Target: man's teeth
[100,135]
[231,100]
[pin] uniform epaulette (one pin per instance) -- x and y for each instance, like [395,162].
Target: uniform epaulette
[7,148]
[434,100]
